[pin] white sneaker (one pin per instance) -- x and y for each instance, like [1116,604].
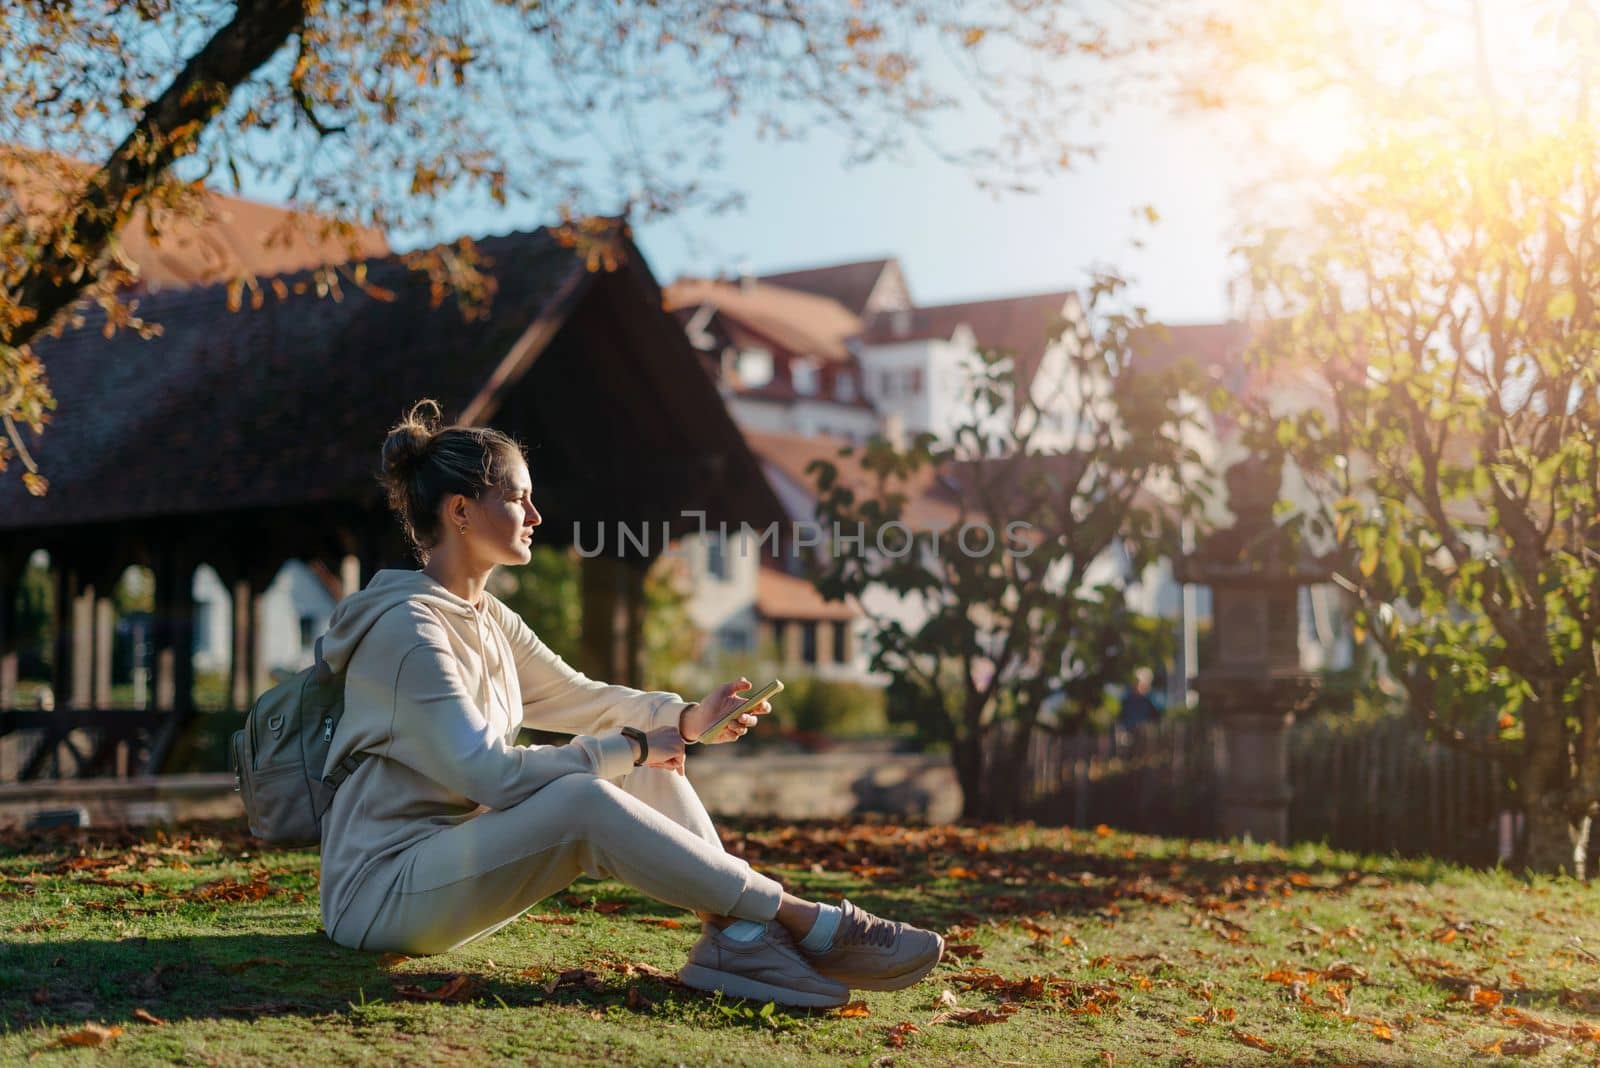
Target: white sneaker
[767,968]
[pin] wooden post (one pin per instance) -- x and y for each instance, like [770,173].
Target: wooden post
[10,584]
[81,682]
[260,676]
[105,623]
[612,645]
[350,574]
[243,658]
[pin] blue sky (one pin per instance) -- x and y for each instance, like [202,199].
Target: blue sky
[956,241]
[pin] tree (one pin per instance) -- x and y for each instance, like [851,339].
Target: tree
[1008,609]
[393,113]
[1435,294]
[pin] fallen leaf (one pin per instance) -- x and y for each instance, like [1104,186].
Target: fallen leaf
[389,960]
[1254,1041]
[974,1017]
[1103,831]
[1382,1033]
[855,1008]
[896,1038]
[637,1001]
[610,908]
[1486,999]
[659,921]
[88,1035]
[564,921]
[458,988]
[146,1016]
[965,950]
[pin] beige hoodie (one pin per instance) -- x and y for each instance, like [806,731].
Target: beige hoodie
[437,690]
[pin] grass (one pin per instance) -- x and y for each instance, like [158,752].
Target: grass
[1070,948]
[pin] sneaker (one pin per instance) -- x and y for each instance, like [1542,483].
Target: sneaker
[768,968]
[873,953]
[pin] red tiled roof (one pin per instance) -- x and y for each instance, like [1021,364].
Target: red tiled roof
[780,595]
[848,284]
[787,319]
[1018,324]
[929,505]
[238,238]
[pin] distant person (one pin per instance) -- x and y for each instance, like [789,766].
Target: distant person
[448,830]
[1138,706]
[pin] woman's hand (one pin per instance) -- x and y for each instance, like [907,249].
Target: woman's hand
[666,749]
[716,705]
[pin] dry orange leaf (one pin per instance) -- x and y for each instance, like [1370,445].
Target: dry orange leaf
[89,1035]
[1254,1041]
[974,1017]
[967,950]
[1487,998]
[1382,1033]
[855,1008]
[389,960]
[896,1038]
[457,988]
[146,1016]
[1103,831]
[962,873]
[659,921]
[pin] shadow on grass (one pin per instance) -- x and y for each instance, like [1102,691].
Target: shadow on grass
[245,976]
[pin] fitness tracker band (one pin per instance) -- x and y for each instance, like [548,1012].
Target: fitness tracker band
[644,743]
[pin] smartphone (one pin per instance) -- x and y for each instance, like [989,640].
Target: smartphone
[744,706]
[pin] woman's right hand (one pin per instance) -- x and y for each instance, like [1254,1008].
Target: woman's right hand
[666,749]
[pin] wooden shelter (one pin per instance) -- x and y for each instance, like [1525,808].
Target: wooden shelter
[244,439]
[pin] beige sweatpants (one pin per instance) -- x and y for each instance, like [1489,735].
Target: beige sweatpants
[647,828]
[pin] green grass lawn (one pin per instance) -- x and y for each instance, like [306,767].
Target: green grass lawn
[195,947]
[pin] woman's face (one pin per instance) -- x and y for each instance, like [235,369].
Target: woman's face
[502,531]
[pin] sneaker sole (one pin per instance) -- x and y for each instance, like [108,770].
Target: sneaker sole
[911,976]
[738,986]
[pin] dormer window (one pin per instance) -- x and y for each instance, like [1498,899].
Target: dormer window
[900,321]
[803,374]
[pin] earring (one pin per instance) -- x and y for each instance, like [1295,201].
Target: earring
[463,528]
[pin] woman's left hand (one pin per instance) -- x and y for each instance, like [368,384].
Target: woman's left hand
[716,705]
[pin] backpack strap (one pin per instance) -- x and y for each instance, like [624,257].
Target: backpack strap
[344,769]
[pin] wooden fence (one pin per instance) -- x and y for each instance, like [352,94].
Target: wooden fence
[1378,787]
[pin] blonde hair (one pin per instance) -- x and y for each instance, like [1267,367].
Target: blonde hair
[424,463]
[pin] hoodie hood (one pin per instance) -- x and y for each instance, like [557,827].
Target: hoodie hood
[354,616]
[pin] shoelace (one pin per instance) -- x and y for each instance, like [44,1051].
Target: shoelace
[867,929]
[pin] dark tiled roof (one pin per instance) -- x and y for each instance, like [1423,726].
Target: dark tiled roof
[278,405]
[1018,324]
[850,284]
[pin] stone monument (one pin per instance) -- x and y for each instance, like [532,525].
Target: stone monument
[1255,686]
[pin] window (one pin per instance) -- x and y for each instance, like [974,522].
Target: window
[803,373]
[844,388]
[717,558]
[308,632]
[886,384]
[913,381]
[808,641]
[734,639]
[841,638]
[755,368]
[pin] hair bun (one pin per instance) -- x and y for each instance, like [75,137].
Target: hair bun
[409,439]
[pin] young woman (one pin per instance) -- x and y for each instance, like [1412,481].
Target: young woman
[448,830]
